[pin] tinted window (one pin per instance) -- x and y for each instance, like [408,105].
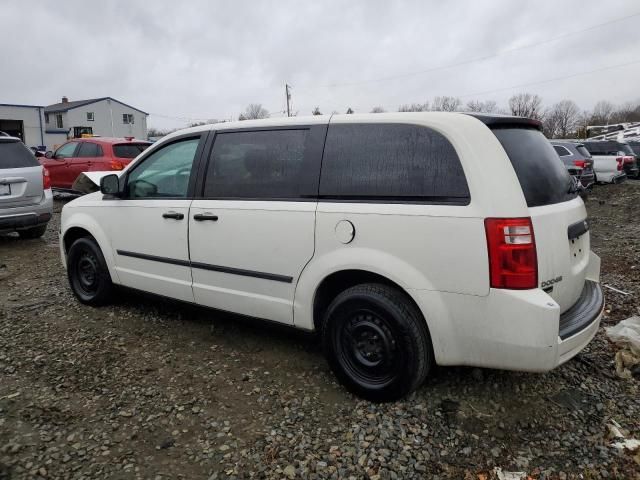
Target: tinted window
[391,161]
[66,150]
[89,149]
[635,147]
[583,151]
[16,155]
[563,152]
[266,164]
[603,148]
[164,173]
[129,150]
[543,177]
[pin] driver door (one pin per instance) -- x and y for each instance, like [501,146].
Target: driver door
[148,225]
[58,165]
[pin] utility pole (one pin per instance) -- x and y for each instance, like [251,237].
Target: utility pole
[286,90]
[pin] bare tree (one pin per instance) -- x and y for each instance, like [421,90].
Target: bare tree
[377,110]
[254,111]
[446,104]
[562,119]
[602,112]
[526,105]
[414,107]
[627,112]
[489,106]
[316,111]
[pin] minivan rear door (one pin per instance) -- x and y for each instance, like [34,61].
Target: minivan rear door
[557,212]
[20,175]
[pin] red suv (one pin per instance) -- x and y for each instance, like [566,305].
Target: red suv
[89,155]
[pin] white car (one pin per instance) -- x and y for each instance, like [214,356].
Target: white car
[405,239]
[610,160]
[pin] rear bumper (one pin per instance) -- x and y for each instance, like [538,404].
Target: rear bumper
[519,330]
[29,216]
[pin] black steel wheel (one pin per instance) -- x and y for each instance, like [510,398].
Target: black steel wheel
[88,273]
[377,342]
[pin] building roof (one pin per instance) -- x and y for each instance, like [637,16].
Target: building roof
[65,106]
[19,105]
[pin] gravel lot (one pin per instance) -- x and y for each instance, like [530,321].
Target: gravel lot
[149,388]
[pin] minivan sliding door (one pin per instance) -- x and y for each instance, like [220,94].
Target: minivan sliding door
[252,231]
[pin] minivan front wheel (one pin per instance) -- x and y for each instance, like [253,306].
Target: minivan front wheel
[376,342]
[88,273]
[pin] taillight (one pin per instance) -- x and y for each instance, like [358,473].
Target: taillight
[620,161]
[116,165]
[579,163]
[46,179]
[513,262]
[628,159]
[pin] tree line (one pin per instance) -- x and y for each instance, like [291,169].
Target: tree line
[564,119]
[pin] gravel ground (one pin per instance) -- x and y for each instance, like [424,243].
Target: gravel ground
[149,388]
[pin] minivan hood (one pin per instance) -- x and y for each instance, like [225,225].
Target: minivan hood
[89,182]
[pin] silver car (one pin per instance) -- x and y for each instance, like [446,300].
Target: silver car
[26,201]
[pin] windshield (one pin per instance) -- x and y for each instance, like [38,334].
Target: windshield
[129,150]
[542,175]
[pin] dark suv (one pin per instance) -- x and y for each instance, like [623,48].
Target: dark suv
[578,161]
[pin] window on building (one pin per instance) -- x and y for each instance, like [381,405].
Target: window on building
[89,116]
[127,118]
[46,118]
[59,121]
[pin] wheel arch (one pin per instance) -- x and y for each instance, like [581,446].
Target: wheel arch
[82,225]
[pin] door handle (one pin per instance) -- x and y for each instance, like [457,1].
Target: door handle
[200,217]
[174,215]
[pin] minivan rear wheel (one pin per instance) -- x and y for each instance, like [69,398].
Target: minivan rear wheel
[88,273]
[377,342]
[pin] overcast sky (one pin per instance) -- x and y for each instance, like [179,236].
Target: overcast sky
[192,60]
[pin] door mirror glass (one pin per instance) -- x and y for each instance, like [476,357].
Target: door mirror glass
[110,185]
[48,154]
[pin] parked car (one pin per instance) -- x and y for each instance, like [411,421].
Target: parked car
[635,146]
[612,161]
[406,240]
[26,202]
[88,155]
[577,160]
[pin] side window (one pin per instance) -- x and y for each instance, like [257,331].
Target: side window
[561,151]
[88,149]
[391,161]
[66,150]
[263,164]
[165,173]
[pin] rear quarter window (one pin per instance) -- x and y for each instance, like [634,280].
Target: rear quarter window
[16,155]
[391,162]
[542,175]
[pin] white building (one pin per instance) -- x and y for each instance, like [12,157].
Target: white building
[104,116]
[23,121]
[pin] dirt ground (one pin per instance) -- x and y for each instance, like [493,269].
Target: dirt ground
[149,388]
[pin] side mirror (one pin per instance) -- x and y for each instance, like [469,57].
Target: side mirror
[48,154]
[110,185]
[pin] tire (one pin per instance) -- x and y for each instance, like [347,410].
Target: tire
[35,232]
[376,342]
[88,273]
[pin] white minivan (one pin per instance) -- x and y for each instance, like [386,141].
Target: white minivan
[405,239]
